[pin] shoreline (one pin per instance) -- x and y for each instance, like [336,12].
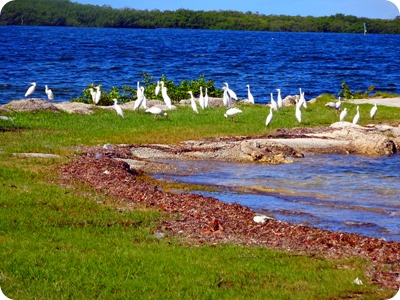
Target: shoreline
[200,220]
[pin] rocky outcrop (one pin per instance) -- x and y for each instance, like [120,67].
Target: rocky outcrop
[32,104]
[285,146]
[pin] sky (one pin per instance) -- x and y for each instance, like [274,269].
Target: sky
[376,9]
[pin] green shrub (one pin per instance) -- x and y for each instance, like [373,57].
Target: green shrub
[175,92]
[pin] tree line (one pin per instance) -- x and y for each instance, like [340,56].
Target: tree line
[67,13]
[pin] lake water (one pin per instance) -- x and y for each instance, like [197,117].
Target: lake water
[68,59]
[354,194]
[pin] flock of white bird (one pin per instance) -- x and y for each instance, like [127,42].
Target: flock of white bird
[203,101]
[343,113]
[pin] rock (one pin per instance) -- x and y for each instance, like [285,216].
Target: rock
[365,140]
[267,151]
[32,104]
[290,100]
[37,155]
[75,108]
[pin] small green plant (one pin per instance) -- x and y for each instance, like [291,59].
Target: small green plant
[348,94]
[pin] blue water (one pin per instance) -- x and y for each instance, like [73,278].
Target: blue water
[354,194]
[68,59]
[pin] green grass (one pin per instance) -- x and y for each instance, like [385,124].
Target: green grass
[60,242]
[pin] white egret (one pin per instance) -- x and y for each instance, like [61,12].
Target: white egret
[98,95]
[338,104]
[274,105]
[343,115]
[231,93]
[139,101]
[269,117]
[331,105]
[49,93]
[373,111]
[138,91]
[93,94]
[118,108]
[206,100]
[302,100]
[298,112]
[157,90]
[193,103]
[31,89]
[201,98]
[261,219]
[165,96]
[156,111]
[232,112]
[279,101]
[225,97]
[249,95]
[144,102]
[357,116]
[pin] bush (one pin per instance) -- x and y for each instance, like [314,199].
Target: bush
[176,93]
[348,94]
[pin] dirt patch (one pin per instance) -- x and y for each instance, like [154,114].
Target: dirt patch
[207,220]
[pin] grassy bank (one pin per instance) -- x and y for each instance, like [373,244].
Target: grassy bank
[72,242]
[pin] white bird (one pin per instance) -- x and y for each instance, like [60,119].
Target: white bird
[357,116]
[2,3]
[144,102]
[250,97]
[201,98]
[206,100]
[298,112]
[232,112]
[338,104]
[193,103]
[261,219]
[331,105]
[157,90]
[165,96]
[138,91]
[31,89]
[373,111]
[156,111]
[139,101]
[274,105]
[302,100]
[343,114]
[49,93]
[225,97]
[269,117]
[279,101]
[118,108]
[93,94]
[231,93]
[397,3]
[98,95]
